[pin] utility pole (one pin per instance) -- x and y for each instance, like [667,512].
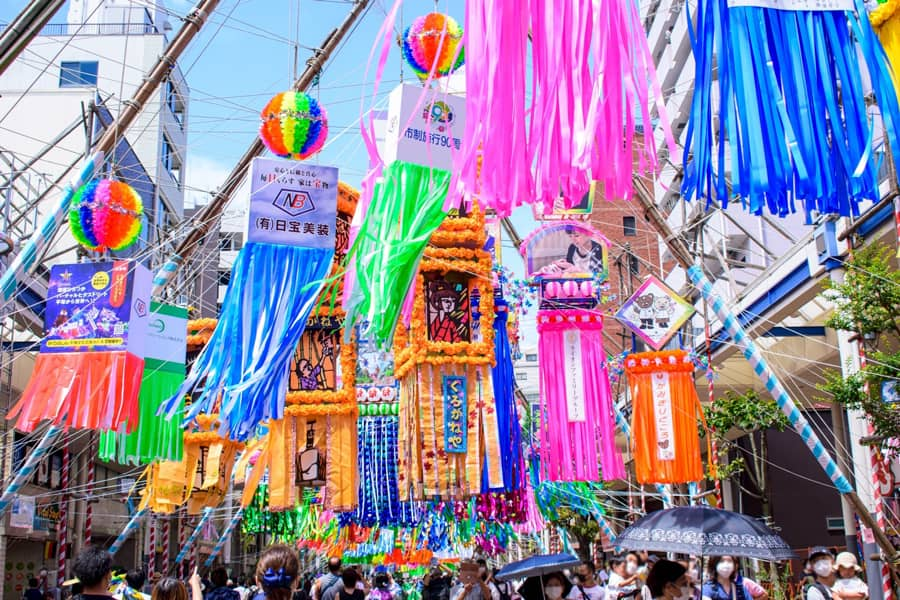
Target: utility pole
[682,254]
[210,213]
[24,28]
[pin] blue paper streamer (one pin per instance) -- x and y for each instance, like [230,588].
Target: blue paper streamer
[272,291]
[792,131]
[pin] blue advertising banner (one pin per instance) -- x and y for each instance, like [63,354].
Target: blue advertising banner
[97,307]
[455,414]
[292,203]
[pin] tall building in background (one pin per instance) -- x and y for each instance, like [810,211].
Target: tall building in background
[62,93]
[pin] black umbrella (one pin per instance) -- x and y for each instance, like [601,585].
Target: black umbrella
[704,531]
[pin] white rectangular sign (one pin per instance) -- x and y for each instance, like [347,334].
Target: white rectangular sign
[662,412]
[426,133]
[574,379]
[795,5]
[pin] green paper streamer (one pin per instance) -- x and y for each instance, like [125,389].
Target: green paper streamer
[154,438]
[407,207]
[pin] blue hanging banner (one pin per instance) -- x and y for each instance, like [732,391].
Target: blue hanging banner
[455,414]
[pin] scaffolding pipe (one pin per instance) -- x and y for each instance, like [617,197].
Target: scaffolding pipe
[27,24]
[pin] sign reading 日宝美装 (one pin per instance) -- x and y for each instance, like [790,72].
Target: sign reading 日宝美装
[292,203]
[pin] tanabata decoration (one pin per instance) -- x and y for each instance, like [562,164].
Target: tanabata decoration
[655,312]
[577,425]
[505,399]
[433,44]
[448,415]
[314,444]
[164,367]
[106,215]
[792,106]
[87,374]
[406,209]
[275,283]
[885,19]
[200,479]
[584,86]
[569,262]
[665,440]
[293,125]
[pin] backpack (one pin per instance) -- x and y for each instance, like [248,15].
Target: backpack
[823,589]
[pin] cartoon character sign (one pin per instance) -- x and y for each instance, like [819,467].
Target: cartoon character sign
[447,311]
[316,360]
[655,312]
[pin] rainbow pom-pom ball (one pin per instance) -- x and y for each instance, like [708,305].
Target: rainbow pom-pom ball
[106,215]
[432,41]
[293,125]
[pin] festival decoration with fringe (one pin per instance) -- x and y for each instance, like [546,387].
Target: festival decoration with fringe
[164,368]
[406,209]
[885,19]
[106,215]
[791,106]
[294,125]
[432,43]
[580,125]
[665,441]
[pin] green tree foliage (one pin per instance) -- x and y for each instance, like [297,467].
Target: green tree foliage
[867,303]
[734,416]
[583,529]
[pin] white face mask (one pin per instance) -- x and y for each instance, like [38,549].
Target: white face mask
[725,568]
[685,593]
[554,592]
[822,568]
[631,568]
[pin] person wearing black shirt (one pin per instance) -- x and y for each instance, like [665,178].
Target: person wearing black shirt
[349,579]
[33,592]
[93,568]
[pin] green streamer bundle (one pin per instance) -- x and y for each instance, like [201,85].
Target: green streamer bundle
[407,207]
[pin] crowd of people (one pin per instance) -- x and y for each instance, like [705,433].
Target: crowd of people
[631,576]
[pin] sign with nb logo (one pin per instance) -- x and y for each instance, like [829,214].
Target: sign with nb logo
[292,203]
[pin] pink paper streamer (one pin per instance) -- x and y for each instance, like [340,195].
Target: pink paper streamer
[570,450]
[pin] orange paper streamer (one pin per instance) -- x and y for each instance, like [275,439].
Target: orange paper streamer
[665,441]
[82,390]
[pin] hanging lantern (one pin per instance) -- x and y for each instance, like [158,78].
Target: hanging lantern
[293,125]
[106,215]
[448,415]
[432,42]
[666,409]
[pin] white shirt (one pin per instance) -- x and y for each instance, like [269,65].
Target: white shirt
[595,592]
[815,594]
[853,585]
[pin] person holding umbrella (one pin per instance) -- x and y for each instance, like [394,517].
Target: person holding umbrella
[551,586]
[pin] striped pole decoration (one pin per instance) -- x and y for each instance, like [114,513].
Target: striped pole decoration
[877,474]
[27,469]
[711,392]
[182,536]
[133,525]
[26,260]
[604,526]
[773,385]
[622,422]
[165,543]
[63,530]
[165,274]
[223,539]
[89,492]
[151,541]
[188,544]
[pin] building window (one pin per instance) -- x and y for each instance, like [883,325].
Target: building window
[531,358]
[224,277]
[230,241]
[78,74]
[629,226]
[170,160]
[634,264]
[522,375]
[175,102]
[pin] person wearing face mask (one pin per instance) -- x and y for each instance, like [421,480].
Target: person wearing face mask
[586,586]
[622,584]
[725,583]
[471,586]
[553,587]
[668,580]
[823,568]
